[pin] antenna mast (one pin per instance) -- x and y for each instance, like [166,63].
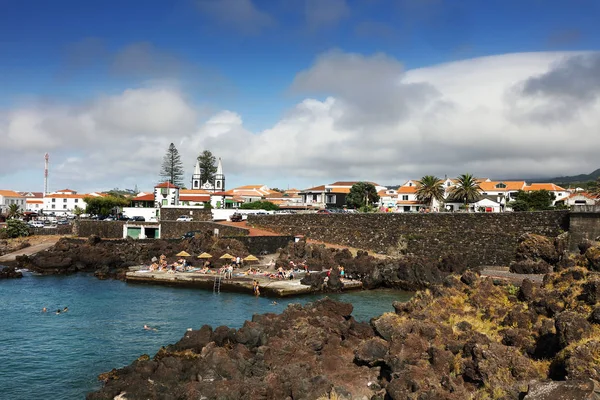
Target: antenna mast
[46,158]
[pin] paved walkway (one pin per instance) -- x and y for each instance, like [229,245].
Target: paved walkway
[47,243]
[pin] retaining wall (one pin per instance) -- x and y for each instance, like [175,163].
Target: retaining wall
[479,238]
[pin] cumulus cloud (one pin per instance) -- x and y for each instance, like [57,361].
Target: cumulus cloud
[571,84]
[364,117]
[370,90]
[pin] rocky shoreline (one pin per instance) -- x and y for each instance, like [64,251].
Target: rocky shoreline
[7,272]
[466,338]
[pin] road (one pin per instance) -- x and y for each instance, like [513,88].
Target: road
[46,243]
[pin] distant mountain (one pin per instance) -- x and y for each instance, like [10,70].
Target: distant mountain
[577,178]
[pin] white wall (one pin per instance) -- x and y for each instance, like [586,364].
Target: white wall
[146,212]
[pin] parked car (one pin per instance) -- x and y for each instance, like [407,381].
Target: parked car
[36,224]
[236,217]
[184,218]
[324,212]
[138,218]
[191,234]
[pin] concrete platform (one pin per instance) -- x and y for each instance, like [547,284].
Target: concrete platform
[242,284]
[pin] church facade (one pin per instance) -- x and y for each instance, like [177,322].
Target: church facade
[218,183]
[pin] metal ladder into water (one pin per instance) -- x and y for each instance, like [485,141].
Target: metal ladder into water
[217,285]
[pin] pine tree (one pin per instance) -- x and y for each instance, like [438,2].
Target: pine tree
[208,167]
[172,168]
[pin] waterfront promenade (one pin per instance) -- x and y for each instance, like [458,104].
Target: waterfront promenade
[242,284]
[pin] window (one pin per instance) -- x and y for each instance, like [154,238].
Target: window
[501,186]
[54,200]
[53,206]
[331,198]
[76,200]
[64,200]
[164,191]
[165,202]
[64,207]
[218,184]
[404,197]
[195,184]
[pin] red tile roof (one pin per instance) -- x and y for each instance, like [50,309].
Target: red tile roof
[145,197]
[551,187]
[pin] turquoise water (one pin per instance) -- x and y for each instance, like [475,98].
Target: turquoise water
[49,356]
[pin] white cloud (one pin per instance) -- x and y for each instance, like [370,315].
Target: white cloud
[371,120]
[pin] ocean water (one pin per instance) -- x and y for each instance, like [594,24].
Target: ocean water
[49,356]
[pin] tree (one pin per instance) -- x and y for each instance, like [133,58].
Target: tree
[78,211]
[104,205]
[362,194]
[466,190]
[16,228]
[260,205]
[14,211]
[208,166]
[535,200]
[430,188]
[172,169]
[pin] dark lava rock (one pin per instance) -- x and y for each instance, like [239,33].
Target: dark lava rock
[9,273]
[569,390]
[536,248]
[526,291]
[304,353]
[530,267]
[571,327]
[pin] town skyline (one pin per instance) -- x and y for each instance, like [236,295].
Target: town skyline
[298,93]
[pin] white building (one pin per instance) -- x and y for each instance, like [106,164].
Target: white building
[63,202]
[166,194]
[8,197]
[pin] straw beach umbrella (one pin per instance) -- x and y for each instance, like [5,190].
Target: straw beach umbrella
[183,254]
[204,255]
[251,258]
[227,256]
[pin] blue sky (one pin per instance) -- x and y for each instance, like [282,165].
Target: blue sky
[244,56]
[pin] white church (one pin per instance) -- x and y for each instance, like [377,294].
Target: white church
[217,185]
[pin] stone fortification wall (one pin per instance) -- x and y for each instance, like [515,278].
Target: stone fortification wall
[176,229]
[584,225]
[479,238]
[197,214]
[258,244]
[103,229]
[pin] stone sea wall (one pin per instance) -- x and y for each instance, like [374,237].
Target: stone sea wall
[258,244]
[584,225]
[197,214]
[479,238]
[176,229]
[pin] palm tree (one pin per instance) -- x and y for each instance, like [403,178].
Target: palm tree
[430,188]
[466,190]
[14,211]
[77,211]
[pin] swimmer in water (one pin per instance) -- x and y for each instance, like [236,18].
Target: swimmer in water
[57,311]
[65,309]
[274,303]
[149,328]
[44,309]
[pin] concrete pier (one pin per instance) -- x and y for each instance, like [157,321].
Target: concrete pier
[242,284]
